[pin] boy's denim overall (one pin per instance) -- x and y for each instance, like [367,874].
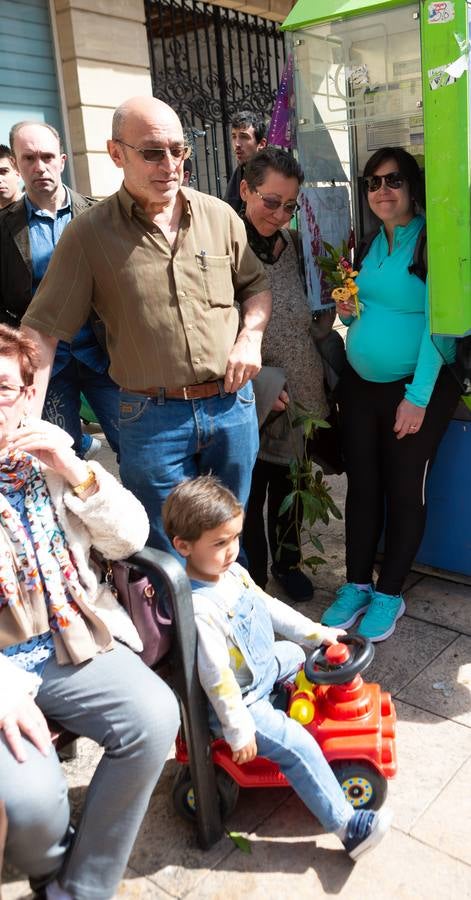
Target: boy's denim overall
[280,738]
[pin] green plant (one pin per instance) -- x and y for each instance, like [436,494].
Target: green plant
[309,489]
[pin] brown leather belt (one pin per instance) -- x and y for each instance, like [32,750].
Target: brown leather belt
[189,392]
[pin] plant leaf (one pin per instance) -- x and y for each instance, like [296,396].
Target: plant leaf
[317,544]
[286,504]
[313,561]
[330,249]
[290,547]
[240,841]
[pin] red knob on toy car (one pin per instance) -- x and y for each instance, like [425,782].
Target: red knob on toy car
[337,654]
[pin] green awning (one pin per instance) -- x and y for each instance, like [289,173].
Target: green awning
[310,12]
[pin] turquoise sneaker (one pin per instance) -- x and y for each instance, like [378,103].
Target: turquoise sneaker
[350,602]
[382,615]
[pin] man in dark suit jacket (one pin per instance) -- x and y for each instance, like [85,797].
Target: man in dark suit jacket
[29,231]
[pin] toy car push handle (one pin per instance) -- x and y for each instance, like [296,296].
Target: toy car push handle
[338,664]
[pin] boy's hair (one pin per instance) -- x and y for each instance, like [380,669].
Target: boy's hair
[16,345]
[198,505]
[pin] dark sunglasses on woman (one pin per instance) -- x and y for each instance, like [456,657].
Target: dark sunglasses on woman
[272,203]
[392,180]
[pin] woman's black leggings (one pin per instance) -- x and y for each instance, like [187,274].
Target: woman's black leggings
[272,479]
[386,476]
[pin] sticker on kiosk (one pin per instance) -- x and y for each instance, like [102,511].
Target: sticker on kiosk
[439,13]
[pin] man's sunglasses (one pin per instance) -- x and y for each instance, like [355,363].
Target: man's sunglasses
[158,154]
[392,180]
[272,203]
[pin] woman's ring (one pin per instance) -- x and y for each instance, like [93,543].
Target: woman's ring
[412,427]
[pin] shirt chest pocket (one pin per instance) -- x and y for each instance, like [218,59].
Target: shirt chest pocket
[216,278]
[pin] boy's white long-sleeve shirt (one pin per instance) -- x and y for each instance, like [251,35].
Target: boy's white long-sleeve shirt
[221,666]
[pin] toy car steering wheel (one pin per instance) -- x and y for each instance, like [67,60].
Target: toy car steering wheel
[329,672]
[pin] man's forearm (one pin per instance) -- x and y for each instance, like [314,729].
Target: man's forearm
[256,312]
[245,357]
[47,347]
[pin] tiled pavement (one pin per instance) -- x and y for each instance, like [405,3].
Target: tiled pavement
[426,665]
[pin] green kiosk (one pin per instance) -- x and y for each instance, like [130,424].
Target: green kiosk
[394,73]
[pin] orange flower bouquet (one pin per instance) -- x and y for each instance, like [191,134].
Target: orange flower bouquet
[338,271]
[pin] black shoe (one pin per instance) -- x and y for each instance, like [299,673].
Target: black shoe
[295,583]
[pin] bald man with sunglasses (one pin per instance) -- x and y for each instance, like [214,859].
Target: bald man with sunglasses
[166,269]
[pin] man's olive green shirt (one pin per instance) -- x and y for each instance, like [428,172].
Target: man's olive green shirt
[169,312]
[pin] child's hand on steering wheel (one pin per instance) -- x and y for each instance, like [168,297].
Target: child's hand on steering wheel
[329,636]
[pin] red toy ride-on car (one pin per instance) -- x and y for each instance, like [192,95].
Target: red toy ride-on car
[353,723]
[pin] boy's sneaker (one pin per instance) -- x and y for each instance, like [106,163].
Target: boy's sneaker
[94,448]
[350,602]
[365,830]
[382,615]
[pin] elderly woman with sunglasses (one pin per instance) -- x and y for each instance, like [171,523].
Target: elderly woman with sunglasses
[269,191]
[58,657]
[396,398]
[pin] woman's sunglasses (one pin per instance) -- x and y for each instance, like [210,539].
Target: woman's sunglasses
[392,180]
[272,203]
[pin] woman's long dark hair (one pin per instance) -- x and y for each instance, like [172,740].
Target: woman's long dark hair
[407,165]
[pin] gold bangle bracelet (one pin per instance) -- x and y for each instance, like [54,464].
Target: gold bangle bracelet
[84,485]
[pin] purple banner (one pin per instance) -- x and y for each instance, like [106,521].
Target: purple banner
[281,131]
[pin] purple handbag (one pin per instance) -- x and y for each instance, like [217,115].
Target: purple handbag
[137,595]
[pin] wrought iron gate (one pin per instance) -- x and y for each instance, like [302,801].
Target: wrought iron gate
[207,63]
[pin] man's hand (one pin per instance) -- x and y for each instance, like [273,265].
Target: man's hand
[245,754]
[409,419]
[26,718]
[245,360]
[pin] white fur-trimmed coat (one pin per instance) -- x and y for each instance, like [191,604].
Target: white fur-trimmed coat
[114,522]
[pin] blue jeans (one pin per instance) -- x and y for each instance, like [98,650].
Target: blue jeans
[62,403]
[115,700]
[298,755]
[164,442]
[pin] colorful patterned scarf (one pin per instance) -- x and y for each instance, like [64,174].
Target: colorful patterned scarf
[38,577]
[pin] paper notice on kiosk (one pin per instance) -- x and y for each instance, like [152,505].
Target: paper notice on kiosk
[443,76]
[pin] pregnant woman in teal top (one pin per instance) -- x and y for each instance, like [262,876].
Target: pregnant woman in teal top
[396,398]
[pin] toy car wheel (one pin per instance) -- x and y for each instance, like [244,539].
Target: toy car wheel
[183,794]
[364,787]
